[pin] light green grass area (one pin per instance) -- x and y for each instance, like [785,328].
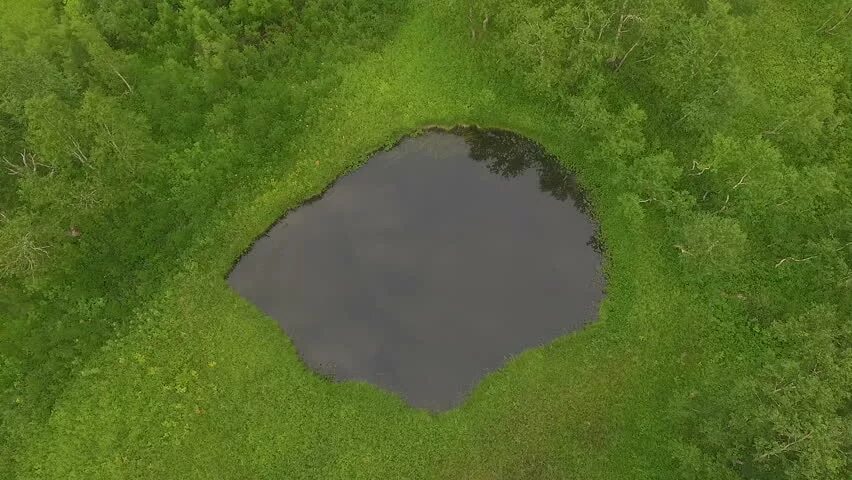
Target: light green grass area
[207,387]
[195,383]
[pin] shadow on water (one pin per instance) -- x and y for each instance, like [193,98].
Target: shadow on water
[431,265]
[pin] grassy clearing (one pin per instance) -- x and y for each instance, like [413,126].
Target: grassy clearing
[207,387]
[132,358]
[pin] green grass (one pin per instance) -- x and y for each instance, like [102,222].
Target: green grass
[205,386]
[716,162]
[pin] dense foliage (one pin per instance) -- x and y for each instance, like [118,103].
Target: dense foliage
[713,138]
[737,119]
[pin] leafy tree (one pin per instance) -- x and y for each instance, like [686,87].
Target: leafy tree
[23,252]
[556,47]
[123,23]
[783,422]
[742,176]
[656,177]
[694,68]
[713,247]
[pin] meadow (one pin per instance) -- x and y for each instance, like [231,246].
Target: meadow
[146,144]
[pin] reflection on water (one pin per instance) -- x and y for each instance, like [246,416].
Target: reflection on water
[423,270]
[511,155]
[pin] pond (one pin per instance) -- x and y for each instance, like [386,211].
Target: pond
[431,265]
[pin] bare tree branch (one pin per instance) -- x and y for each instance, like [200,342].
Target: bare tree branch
[112,140]
[843,19]
[784,448]
[794,259]
[806,259]
[129,88]
[742,180]
[624,58]
[22,257]
[725,205]
[78,153]
[697,166]
[714,57]
[29,165]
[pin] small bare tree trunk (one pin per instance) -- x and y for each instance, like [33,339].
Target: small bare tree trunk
[126,83]
[624,58]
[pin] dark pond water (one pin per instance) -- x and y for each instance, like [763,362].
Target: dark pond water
[431,265]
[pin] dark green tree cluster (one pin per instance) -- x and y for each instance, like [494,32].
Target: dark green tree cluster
[731,121]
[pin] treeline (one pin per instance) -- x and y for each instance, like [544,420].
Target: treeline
[123,123]
[730,122]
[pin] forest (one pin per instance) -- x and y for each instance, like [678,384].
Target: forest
[145,143]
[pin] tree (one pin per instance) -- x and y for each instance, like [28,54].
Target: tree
[746,177]
[694,68]
[787,421]
[123,23]
[712,247]
[23,250]
[617,140]
[558,47]
[655,178]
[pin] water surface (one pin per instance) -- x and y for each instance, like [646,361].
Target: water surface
[431,265]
